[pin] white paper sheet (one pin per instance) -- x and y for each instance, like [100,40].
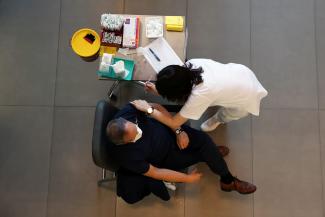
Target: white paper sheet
[164,52]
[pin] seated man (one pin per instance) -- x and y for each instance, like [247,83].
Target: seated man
[148,148]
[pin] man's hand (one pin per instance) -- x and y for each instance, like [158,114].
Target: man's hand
[141,105]
[193,176]
[182,140]
[151,88]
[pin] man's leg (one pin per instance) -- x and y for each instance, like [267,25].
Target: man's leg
[201,149]
[132,187]
[203,146]
[224,115]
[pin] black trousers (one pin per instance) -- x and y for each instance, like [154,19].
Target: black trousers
[200,149]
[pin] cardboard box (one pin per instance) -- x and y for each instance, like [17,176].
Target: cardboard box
[131,30]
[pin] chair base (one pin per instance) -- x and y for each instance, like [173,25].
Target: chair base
[105,178]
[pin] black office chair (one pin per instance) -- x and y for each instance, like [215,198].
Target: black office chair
[105,111]
[101,145]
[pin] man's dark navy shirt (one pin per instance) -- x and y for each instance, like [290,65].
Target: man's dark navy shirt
[152,148]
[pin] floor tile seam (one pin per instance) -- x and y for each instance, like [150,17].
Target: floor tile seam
[318,104]
[321,159]
[53,112]
[116,199]
[251,119]
[186,19]
[252,162]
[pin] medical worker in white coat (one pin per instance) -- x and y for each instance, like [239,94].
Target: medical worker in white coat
[202,83]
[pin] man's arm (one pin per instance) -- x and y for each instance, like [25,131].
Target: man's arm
[171,175]
[174,122]
[164,117]
[161,114]
[162,109]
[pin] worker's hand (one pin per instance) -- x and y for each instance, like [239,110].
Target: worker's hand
[141,105]
[182,140]
[151,88]
[193,176]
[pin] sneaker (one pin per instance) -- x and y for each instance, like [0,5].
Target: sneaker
[209,125]
[170,185]
[241,187]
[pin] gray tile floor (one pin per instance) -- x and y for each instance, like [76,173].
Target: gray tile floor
[47,99]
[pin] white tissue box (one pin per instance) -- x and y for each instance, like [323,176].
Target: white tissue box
[119,68]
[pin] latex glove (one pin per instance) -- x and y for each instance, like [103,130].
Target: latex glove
[141,105]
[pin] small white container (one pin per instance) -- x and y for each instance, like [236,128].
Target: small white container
[119,69]
[107,58]
[104,67]
[154,27]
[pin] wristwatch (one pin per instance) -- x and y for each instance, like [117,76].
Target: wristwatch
[179,131]
[150,110]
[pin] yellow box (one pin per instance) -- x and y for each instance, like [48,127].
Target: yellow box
[107,49]
[174,23]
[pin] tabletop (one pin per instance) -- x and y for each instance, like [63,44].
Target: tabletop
[143,70]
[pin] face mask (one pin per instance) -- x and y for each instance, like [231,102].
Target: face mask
[139,134]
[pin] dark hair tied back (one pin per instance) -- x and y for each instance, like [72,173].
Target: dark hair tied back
[175,82]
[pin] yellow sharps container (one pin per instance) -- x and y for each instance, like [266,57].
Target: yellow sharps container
[86,43]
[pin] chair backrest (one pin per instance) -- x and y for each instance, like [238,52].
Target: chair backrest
[100,143]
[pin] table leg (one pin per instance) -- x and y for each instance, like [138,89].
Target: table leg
[112,89]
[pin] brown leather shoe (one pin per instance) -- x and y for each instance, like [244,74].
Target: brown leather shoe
[241,187]
[224,151]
